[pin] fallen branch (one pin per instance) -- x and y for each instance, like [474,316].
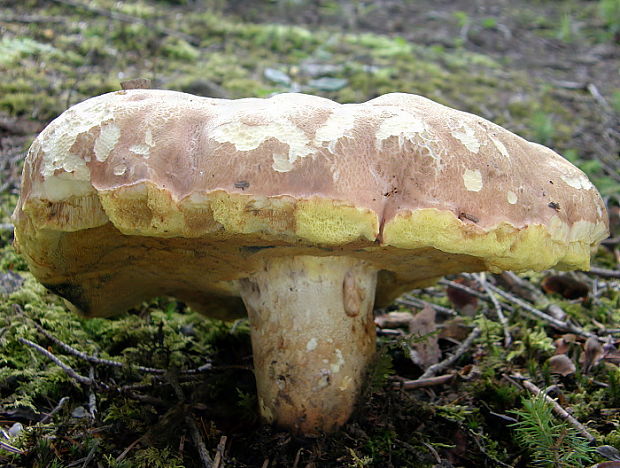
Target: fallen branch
[498,309]
[92,397]
[130,447]
[460,350]
[28,19]
[604,272]
[107,362]
[559,324]
[10,448]
[422,383]
[218,461]
[598,97]
[464,288]
[557,409]
[68,369]
[410,301]
[56,409]
[207,462]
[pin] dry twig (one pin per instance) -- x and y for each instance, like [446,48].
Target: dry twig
[604,272]
[559,324]
[462,348]
[218,461]
[56,409]
[464,288]
[107,362]
[68,369]
[422,383]
[205,458]
[93,359]
[498,309]
[557,409]
[410,301]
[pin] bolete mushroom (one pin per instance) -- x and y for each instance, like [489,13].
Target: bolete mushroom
[306,209]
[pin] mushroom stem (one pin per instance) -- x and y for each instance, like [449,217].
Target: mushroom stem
[312,336]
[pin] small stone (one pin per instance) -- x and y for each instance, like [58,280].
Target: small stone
[328,84]
[15,429]
[277,76]
[79,412]
[10,282]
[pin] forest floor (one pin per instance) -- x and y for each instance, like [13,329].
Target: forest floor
[546,70]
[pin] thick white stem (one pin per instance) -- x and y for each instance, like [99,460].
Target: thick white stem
[312,336]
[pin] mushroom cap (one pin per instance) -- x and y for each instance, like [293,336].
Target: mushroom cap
[140,193]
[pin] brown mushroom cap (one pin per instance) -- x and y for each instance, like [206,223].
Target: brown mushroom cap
[140,193]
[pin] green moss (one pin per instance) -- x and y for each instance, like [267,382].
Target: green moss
[179,49]
[12,50]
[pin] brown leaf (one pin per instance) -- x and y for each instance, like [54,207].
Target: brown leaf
[561,364]
[463,302]
[454,329]
[593,353]
[613,357]
[610,352]
[566,286]
[562,344]
[424,350]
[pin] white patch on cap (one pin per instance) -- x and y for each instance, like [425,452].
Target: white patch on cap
[408,127]
[311,345]
[106,141]
[57,140]
[281,163]
[500,146]
[577,181]
[142,150]
[511,197]
[247,137]
[63,186]
[472,180]
[119,169]
[340,122]
[467,136]
[401,124]
[148,137]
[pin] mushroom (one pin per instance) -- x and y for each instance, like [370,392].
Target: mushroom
[308,210]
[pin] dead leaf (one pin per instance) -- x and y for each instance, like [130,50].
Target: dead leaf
[424,348]
[566,286]
[610,352]
[593,353]
[455,329]
[613,358]
[561,364]
[562,344]
[463,302]
[609,452]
